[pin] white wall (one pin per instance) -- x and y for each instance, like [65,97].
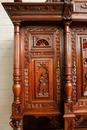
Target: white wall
[6,66]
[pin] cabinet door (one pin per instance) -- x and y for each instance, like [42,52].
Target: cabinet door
[82,64]
[42,70]
[79,55]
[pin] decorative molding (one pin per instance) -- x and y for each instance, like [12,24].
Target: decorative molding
[20,8]
[26,68]
[74,69]
[58,71]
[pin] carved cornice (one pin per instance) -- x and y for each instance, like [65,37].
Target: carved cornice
[35,10]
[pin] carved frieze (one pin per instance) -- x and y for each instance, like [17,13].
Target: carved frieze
[34,9]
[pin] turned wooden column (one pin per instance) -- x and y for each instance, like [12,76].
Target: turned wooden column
[17,62]
[68,61]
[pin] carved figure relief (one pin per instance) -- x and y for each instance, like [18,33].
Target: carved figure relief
[43,82]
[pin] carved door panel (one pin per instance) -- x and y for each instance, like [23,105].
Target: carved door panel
[42,70]
[79,44]
[82,63]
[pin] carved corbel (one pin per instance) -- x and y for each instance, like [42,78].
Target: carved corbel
[68,8]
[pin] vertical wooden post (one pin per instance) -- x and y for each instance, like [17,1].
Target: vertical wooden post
[68,61]
[17,68]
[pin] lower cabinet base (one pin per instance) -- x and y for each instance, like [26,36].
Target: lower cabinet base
[42,123]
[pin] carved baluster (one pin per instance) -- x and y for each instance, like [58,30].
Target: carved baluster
[68,61]
[17,69]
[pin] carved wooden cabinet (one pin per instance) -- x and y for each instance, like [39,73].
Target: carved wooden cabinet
[50,64]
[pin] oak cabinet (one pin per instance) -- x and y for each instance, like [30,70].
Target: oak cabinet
[50,64]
